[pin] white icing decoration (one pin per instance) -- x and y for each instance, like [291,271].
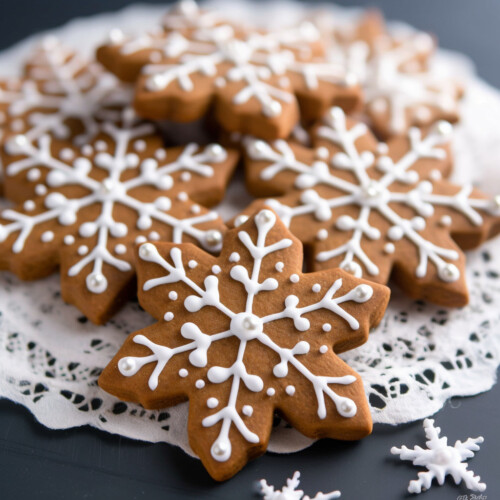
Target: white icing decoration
[47,236]
[294,278]
[107,193]
[316,288]
[370,194]
[61,85]
[216,269]
[29,205]
[245,327]
[212,402]
[172,295]
[322,234]
[389,248]
[199,384]
[291,491]
[445,221]
[183,373]
[169,316]
[323,349]
[279,266]
[327,327]
[251,60]
[440,459]
[69,239]
[247,410]
[234,257]
[192,264]
[290,390]
[83,250]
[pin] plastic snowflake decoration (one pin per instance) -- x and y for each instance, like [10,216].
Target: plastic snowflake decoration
[244,334]
[254,77]
[60,93]
[92,203]
[291,491]
[441,460]
[376,208]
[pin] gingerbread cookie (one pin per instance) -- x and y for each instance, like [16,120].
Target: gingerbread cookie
[376,209]
[60,93]
[243,335]
[92,203]
[402,85]
[255,79]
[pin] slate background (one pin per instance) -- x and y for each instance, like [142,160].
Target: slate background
[87,464]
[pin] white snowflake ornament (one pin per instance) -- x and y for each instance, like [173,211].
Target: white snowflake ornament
[291,491]
[244,334]
[441,460]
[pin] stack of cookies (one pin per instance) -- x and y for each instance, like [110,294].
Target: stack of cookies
[344,135]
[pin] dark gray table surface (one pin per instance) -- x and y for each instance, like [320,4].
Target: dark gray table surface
[83,463]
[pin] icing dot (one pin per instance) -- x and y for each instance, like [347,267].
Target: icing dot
[183,373]
[120,249]
[192,264]
[216,269]
[169,316]
[327,327]
[185,177]
[172,295]
[154,236]
[247,410]
[69,239]
[322,153]
[195,209]
[87,150]
[40,190]
[83,250]
[323,349]
[279,266]
[141,239]
[220,82]
[160,154]
[140,145]
[29,205]
[182,196]
[100,146]
[294,278]
[47,236]
[382,148]
[199,384]
[234,257]
[290,390]
[241,219]
[270,392]
[66,154]
[212,402]
[322,234]
[213,238]
[449,273]
[33,174]
[445,220]
[435,175]
[389,248]
[316,287]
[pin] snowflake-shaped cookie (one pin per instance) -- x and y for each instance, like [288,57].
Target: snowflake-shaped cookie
[376,209]
[60,93]
[441,460]
[402,85]
[92,203]
[254,78]
[243,335]
[291,491]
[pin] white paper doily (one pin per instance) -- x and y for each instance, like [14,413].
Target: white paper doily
[421,355]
